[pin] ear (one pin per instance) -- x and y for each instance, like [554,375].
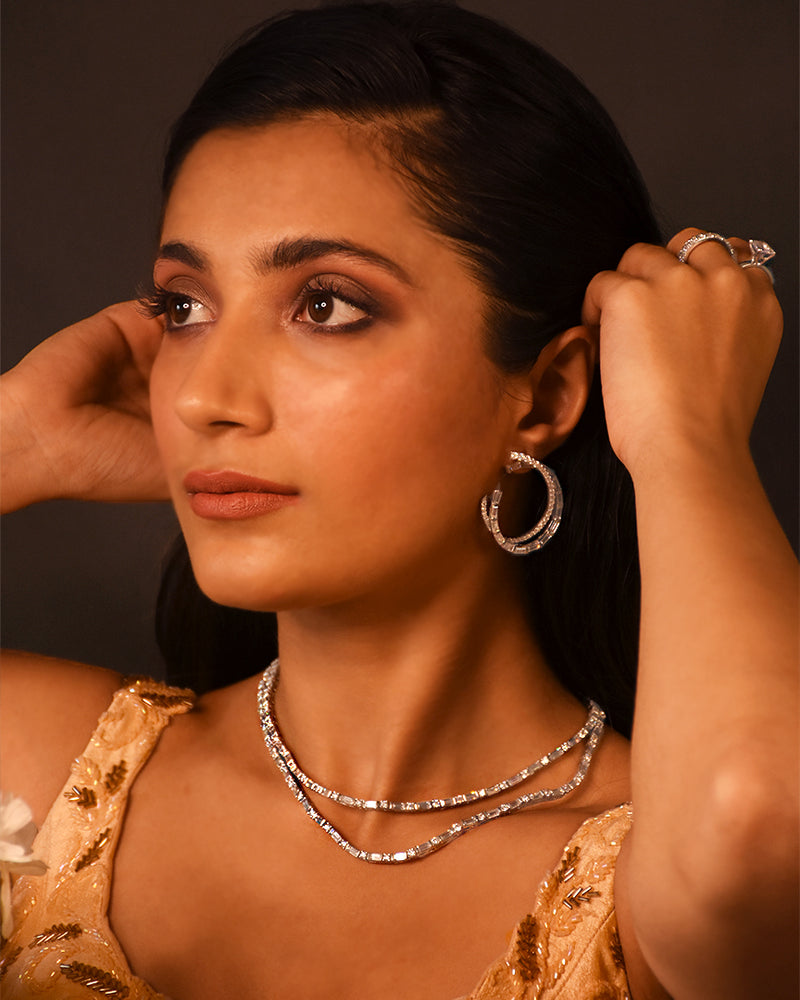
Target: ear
[552,395]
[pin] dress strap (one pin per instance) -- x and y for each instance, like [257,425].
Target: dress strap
[568,945]
[81,831]
[66,908]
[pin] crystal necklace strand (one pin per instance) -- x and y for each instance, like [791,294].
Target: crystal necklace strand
[295,778]
[272,734]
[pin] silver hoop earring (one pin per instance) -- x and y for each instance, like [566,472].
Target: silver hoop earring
[548,523]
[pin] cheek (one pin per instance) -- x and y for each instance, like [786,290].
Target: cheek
[163,386]
[158,396]
[419,430]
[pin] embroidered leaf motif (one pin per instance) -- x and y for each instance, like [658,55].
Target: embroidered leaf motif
[116,776]
[84,797]
[94,979]
[58,932]
[525,949]
[615,947]
[579,896]
[158,699]
[8,960]
[567,867]
[94,851]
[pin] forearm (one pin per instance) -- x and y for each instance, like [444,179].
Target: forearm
[715,736]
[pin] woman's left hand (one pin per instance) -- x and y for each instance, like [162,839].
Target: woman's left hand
[685,349]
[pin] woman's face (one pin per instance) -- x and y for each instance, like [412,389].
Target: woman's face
[321,341]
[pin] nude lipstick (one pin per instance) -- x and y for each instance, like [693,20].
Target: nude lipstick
[234,496]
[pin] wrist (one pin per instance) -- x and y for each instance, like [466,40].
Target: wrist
[23,477]
[18,488]
[691,458]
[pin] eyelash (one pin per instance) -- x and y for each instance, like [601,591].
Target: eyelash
[155,301]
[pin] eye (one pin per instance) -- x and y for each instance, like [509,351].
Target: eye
[183,310]
[331,305]
[178,309]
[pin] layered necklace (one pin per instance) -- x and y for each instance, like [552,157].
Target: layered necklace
[300,783]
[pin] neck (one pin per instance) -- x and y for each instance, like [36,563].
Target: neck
[373,704]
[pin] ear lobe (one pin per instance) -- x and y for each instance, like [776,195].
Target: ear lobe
[558,387]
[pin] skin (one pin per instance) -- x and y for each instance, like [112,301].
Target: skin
[402,629]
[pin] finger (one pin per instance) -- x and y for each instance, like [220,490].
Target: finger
[704,257]
[742,247]
[140,334]
[644,260]
[598,292]
[677,241]
[765,276]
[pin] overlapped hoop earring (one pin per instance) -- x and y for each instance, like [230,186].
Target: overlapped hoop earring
[547,525]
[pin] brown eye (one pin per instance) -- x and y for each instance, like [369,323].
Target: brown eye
[335,305]
[320,306]
[332,309]
[179,309]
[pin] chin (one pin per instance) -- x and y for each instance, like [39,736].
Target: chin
[243,574]
[247,594]
[266,585]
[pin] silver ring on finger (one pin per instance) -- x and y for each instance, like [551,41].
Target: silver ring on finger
[694,241]
[760,253]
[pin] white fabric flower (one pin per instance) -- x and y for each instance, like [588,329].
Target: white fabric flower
[17,832]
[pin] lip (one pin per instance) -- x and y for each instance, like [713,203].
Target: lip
[226,481]
[234,496]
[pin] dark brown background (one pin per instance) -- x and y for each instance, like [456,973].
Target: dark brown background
[703,90]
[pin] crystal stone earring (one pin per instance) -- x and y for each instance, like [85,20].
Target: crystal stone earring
[547,525]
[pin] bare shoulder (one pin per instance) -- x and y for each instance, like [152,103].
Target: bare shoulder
[48,710]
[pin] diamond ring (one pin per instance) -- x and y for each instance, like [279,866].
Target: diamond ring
[697,239]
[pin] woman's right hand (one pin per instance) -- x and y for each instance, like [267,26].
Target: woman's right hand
[76,414]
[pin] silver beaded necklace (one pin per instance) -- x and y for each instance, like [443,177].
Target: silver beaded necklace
[299,782]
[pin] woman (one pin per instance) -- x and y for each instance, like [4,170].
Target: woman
[394,243]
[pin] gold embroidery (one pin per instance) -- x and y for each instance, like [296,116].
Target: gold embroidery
[160,700]
[8,960]
[58,932]
[615,947]
[132,680]
[567,867]
[94,851]
[94,979]
[582,894]
[84,797]
[525,949]
[113,780]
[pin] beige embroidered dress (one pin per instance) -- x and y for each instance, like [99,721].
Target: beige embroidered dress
[62,947]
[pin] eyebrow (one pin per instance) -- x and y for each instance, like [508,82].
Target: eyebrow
[184,253]
[288,254]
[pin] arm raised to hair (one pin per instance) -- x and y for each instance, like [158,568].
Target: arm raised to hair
[708,879]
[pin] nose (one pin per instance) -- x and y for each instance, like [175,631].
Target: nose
[226,383]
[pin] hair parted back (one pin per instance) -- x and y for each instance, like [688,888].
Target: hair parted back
[507,155]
